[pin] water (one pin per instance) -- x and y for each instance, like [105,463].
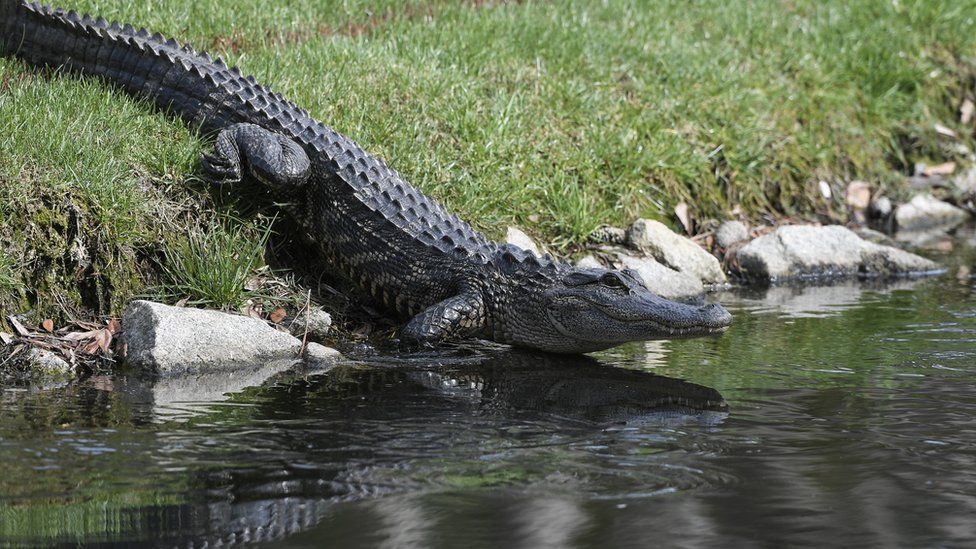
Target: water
[841,415]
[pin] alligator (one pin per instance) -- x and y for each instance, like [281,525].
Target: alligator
[425,265]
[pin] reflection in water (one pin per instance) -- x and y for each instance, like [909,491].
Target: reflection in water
[268,463]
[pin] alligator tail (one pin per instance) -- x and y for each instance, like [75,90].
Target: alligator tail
[202,91]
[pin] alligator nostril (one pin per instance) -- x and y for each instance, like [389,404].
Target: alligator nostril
[716,315]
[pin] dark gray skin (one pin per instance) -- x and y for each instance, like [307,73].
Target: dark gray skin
[399,245]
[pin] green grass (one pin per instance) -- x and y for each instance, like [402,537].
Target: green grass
[212,266]
[579,112]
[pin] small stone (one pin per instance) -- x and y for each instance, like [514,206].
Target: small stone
[665,282]
[924,212]
[49,364]
[802,251]
[965,182]
[880,208]
[825,190]
[316,321]
[175,340]
[589,262]
[858,195]
[731,233]
[609,235]
[675,251]
[319,356]
[518,238]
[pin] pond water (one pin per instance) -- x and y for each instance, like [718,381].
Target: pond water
[843,415]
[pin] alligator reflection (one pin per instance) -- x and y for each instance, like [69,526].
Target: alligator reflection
[402,429]
[576,387]
[271,461]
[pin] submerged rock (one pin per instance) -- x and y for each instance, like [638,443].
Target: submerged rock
[731,233]
[801,251]
[174,340]
[675,251]
[518,238]
[925,213]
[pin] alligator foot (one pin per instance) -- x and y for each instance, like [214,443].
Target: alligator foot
[459,316]
[247,149]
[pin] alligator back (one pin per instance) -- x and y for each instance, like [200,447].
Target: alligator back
[376,227]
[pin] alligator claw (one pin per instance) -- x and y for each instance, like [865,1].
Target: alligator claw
[220,169]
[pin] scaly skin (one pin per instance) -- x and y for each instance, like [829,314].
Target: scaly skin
[399,245]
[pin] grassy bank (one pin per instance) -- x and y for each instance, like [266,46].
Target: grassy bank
[556,116]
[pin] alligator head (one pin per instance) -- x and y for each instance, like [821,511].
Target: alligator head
[565,309]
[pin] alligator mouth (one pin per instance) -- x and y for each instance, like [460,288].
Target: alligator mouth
[689,322]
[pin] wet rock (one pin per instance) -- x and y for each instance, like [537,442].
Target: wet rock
[675,251]
[609,235]
[315,322]
[174,340]
[47,364]
[924,212]
[731,233]
[663,281]
[589,262]
[801,251]
[321,357]
[518,238]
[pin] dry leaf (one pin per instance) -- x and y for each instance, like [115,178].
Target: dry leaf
[966,111]
[945,168]
[114,326]
[684,216]
[24,332]
[182,302]
[6,338]
[942,130]
[278,315]
[79,336]
[48,325]
[253,284]
[534,218]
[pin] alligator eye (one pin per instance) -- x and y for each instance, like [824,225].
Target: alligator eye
[612,280]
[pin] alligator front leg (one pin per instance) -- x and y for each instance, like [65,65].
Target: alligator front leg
[250,150]
[459,316]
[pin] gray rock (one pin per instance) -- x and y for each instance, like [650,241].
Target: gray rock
[675,251]
[924,212]
[731,233]
[665,282]
[321,357]
[47,364]
[175,340]
[518,238]
[316,321]
[589,262]
[609,235]
[872,235]
[965,182]
[801,251]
